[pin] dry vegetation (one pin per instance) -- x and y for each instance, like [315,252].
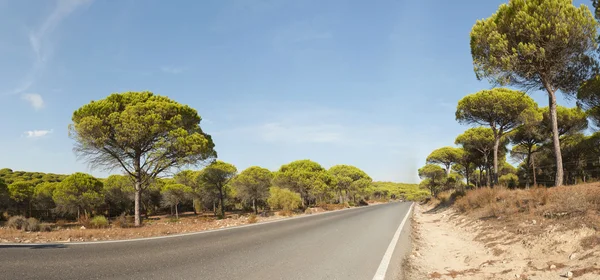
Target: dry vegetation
[540,233]
[567,206]
[120,227]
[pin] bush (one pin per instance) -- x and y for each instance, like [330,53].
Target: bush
[283,199]
[252,219]
[45,227]
[122,221]
[32,225]
[61,223]
[98,222]
[17,222]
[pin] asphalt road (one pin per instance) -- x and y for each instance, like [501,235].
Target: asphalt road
[347,245]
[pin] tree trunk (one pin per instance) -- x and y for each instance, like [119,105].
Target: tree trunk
[467,174]
[557,153]
[480,175]
[533,169]
[221,199]
[254,206]
[137,217]
[496,146]
[176,211]
[448,169]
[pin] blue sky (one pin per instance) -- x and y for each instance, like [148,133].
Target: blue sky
[368,83]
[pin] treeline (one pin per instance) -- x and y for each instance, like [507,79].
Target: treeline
[530,45]
[216,188]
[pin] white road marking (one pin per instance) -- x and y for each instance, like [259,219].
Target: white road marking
[385,262]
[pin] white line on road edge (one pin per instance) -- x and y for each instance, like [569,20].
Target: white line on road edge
[385,262]
[189,233]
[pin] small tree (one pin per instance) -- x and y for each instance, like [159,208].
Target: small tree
[349,179]
[302,176]
[433,175]
[446,156]
[22,192]
[141,133]
[78,192]
[215,177]
[537,44]
[42,196]
[173,194]
[189,178]
[501,109]
[253,185]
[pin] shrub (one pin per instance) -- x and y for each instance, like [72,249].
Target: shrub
[99,222]
[362,202]
[17,222]
[122,221]
[252,219]
[283,199]
[32,225]
[45,227]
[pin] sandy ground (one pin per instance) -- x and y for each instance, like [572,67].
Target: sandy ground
[448,245]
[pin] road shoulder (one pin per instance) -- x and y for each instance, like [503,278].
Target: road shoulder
[448,245]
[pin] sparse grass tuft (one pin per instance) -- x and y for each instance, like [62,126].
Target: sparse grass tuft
[252,219]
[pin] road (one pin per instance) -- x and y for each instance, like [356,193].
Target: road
[348,244]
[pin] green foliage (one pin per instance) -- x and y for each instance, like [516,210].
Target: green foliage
[252,185]
[21,191]
[535,43]
[434,175]
[350,179]
[173,194]
[78,192]
[99,221]
[118,194]
[445,156]
[570,120]
[509,180]
[42,195]
[164,133]
[214,178]
[387,190]
[305,177]
[283,199]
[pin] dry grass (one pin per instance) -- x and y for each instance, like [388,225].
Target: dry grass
[579,204]
[156,226]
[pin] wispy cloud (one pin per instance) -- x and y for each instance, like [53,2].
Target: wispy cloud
[39,40]
[37,133]
[36,100]
[171,70]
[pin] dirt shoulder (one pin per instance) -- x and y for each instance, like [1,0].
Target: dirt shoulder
[448,245]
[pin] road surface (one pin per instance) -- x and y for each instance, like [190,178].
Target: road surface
[348,244]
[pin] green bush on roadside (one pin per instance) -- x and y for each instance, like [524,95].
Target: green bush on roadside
[98,222]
